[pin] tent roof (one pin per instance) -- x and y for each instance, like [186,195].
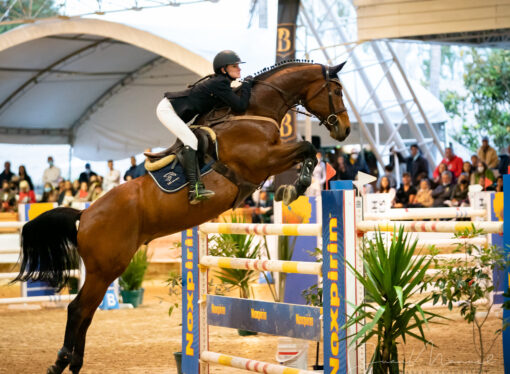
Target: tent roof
[90,83]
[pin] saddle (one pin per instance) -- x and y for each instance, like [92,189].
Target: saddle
[166,170]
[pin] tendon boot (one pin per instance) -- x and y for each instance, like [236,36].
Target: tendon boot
[197,191]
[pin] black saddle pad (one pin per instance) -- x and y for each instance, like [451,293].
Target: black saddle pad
[171,178]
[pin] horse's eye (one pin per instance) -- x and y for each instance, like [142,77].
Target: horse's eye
[338,92]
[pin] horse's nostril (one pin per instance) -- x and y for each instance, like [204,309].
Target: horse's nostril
[347,131]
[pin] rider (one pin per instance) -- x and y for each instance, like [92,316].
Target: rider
[177,110]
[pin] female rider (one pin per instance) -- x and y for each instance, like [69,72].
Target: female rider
[177,110]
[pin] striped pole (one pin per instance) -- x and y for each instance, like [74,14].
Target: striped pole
[250,365]
[286,229]
[425,213]
[430,226]
[262,265]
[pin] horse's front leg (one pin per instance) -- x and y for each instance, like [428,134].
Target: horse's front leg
[285,156]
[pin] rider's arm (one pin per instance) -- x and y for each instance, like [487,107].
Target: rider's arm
[224,92]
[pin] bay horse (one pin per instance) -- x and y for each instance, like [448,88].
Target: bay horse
[108,233]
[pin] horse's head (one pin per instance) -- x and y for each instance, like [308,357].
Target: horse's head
[323,99]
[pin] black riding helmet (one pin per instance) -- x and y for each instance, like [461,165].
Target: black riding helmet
[225,58]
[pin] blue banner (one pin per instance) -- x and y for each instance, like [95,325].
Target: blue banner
[295,321]
[333,270]
[190,307]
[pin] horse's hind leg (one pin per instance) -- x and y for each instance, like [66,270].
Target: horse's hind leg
[79,316]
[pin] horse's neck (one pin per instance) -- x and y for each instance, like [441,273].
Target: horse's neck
[269,102]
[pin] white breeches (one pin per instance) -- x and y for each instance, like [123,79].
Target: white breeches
[167,116]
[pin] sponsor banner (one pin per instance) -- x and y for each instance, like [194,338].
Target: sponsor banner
[496,214]
[27,212]
[190,307]
[506,242]
[295,321]
[333,268]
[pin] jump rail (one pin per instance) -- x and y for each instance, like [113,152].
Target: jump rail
[430,226]
[262,265]
[307,229]
[425,213]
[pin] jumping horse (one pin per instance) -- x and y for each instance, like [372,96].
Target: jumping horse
[108,233]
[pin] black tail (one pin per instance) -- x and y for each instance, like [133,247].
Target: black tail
[49,247]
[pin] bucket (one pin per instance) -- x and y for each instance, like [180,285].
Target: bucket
[292,353]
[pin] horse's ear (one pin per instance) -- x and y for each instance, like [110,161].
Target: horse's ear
[334,70]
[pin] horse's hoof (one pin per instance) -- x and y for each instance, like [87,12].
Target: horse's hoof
[289,194]
[54,369]
[278,195]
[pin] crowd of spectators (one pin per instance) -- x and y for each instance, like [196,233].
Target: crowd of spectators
[445,184]
[19,188]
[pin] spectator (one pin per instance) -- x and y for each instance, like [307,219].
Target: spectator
[423,197]
[96,193]
[83,193]
[131,172]
[385,187]
[388,173]
[406,193]
[504,164]
[7,197]
[499,184]
[318,177]
[112,177]
[85,176]
[482,171]
[486,183]
[416,164]
[474,162]
[459,196]
[467,169]
[76,185]
[453,163]
[443,192]
[341,168]
[68,198]
[48,190]
[7,174]
[370,160]
[66,190]
[26,195]
[441,169]
[355,164]
[487,154]
[51,173]
[23,176]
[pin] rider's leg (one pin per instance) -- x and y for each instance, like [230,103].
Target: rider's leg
[167,116]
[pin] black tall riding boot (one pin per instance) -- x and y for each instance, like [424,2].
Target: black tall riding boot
[197,191]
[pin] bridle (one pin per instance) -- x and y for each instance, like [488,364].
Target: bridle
[331,121]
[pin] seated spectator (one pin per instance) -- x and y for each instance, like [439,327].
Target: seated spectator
[97,192]
[68,198]
[26,195]
[23,176]
[474,162]
[423,197]
[453,163]
[459,196]
[499,184]
[85,176]
[7,197]
[482,171]
[131,172]
[385,187]
[486,183]
[416,164]
[6,174]
[487,154]
[76,185]
[406,193]
[66,191]
[467,168]
[47,191]
[440,169]
[83,193]
[443,191]
[388,173]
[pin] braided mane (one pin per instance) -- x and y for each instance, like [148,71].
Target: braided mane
[266,72]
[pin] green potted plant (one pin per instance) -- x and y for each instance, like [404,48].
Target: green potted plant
[132,278]
[393,279]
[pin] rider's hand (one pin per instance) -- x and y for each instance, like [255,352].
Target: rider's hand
[248,79]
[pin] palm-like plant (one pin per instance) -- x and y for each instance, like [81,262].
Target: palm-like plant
[237,246]
[392,278]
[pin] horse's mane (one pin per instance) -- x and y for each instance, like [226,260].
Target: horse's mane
[267,72]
